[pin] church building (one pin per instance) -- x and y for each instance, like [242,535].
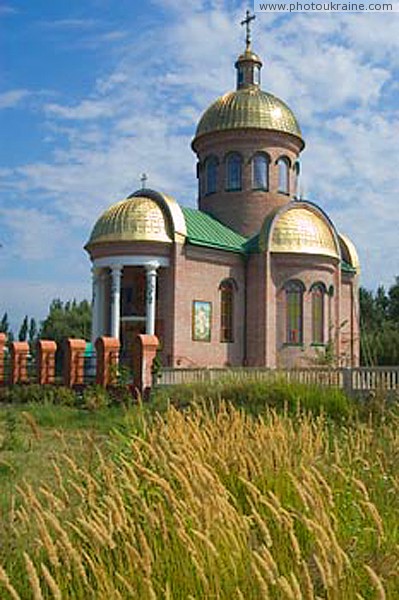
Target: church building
[255,276]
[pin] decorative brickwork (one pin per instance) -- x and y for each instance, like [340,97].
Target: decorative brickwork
[46,361]
[107,351]
[74,362]
[19,362]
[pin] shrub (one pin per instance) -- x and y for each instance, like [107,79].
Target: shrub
[255,396]
[39,394]
[95,397]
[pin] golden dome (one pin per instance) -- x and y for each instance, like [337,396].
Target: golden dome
[301,230]
[248,54]
[248,108]
[136,219]
[349,252]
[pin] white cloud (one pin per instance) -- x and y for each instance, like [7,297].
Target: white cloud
[12,98]
[35,235]
[87,109]
[69,23]
[6,9]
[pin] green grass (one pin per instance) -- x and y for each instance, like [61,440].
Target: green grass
[255,396]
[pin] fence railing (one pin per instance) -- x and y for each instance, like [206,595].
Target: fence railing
[358,379]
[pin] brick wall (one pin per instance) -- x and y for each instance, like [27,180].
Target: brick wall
[197,274]
[245,210]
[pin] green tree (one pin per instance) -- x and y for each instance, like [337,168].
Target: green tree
[72,319]
[32,335]
[23,331]
[393,302]
[4,324]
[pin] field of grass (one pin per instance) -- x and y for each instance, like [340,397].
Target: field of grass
[205,502]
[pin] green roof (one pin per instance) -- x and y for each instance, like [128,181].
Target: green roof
[347,268]
[204,230]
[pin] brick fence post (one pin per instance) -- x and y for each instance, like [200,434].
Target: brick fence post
[45,364]
[107,353]
[3,341]
[145,350]
[19,362]
[74,362]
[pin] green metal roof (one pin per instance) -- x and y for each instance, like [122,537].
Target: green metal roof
[347,268]
[204,230]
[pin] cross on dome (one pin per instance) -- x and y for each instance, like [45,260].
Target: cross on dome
[143,180]
[247,23]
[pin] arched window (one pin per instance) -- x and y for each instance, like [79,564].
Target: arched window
[283,175]
[318,290]
[294,312]
[234,173]
[211,175]
[227,288]
[260,172]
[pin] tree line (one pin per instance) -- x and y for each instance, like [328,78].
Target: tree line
[64,319]
[379,324]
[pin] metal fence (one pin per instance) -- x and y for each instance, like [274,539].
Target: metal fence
[359,379]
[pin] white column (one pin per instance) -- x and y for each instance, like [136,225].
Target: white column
[95,305]
[151,290]
[116,274]
[101,302]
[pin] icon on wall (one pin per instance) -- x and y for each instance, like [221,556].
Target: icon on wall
[202,321]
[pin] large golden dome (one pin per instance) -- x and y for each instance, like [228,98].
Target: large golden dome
[248,107]
[134,219]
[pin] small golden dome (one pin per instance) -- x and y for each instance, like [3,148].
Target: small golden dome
[248,108]
[249,55]
[135,219]
[349,252]
[302,231]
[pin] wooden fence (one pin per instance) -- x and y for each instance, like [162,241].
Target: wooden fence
[352,380]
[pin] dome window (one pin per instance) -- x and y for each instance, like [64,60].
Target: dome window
[260,172]
[234,173]
[283,164]
[211,175]
[240,78]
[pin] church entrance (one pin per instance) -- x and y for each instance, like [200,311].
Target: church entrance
[131,327]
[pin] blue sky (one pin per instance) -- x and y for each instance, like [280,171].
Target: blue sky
[94,92]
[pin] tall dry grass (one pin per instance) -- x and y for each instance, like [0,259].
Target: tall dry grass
[216,505]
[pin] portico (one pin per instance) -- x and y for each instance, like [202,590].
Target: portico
[110,307]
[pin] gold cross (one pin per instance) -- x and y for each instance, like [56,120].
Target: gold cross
[247,23]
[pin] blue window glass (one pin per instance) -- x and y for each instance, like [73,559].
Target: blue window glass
[234,172]
[211,175]
[260,172]
[283,175]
